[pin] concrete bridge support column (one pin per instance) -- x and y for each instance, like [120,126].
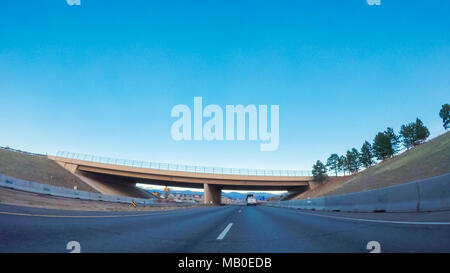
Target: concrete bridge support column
[212,194]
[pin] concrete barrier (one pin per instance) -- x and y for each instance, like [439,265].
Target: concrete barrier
[435,195]
[431,194]
[24,185]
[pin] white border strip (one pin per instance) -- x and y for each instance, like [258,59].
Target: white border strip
[376,221]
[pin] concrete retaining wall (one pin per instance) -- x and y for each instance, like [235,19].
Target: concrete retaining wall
[431,194]
[24,185]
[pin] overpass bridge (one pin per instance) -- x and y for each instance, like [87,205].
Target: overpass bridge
[119,176]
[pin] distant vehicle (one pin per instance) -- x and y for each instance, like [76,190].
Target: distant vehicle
[251,200]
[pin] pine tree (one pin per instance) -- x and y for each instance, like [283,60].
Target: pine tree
[343,166]
[408,135]
[333,163]
[395,139]
[414,133]
[445,115]
[366,155]
[422,132]
[382,146]
[319,171]
[353,160]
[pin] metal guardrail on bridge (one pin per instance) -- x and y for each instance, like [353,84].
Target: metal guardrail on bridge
[183,168]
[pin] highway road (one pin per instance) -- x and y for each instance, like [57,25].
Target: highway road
[230,229]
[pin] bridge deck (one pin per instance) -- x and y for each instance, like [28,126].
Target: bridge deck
[183,178]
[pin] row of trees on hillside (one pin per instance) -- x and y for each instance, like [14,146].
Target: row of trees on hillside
[385,145]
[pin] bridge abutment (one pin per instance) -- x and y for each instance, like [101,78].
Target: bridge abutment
[107,184]
[212,194]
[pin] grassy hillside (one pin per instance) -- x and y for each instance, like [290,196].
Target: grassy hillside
[429,159]
[38,169]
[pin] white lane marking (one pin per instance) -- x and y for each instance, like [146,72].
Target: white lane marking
[224,232]
[378,221]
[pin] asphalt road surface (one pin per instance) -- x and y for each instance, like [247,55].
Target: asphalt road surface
[230,229]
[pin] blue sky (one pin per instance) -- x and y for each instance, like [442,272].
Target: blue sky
[102,78]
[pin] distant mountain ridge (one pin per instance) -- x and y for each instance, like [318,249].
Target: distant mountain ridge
[232,195]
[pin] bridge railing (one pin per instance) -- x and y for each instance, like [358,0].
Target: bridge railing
[179,167]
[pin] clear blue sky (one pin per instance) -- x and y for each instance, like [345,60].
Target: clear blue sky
[102,78]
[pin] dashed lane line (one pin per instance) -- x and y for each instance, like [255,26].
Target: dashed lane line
[224,232]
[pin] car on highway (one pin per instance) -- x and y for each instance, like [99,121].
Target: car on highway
[251,200]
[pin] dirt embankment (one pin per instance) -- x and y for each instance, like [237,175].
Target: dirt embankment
[39,169]
[323,188]
[426,160]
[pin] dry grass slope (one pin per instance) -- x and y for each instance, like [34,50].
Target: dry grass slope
[427,160]
[38,169]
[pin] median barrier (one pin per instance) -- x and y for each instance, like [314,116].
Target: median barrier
[402,198]
[81,195]
[316,203]
[367,201]
[435,194]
